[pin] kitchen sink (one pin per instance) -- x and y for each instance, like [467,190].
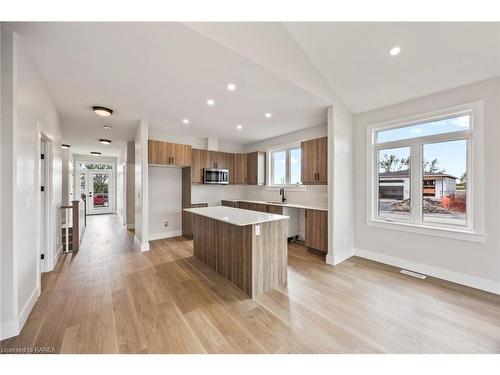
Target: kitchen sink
[274,202]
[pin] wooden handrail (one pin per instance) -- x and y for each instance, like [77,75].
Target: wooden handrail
[75,224]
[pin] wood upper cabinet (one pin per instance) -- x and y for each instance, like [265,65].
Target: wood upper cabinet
[256,168]
[316,236]
[238,174]
[314,167]
[167,153]
[199,160]
[220,160]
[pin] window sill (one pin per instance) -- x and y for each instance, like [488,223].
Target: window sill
[287,187]
[456,234]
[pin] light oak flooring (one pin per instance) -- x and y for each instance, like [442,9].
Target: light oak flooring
[109,298]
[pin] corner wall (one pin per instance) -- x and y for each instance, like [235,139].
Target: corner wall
[141,186]
[468,263]
[27,110]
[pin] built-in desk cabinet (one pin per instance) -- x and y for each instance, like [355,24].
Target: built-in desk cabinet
[316,236]
[314,167]
[167,153]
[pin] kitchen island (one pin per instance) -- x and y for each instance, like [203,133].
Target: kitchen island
[248,248]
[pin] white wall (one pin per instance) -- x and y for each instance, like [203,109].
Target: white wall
[120,192]
[130,189]
[474,264]
[29,110]
[165,202]
[141,186]
[215,193]
[316,195]
[340,184]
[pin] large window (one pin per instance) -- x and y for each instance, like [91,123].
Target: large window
[285,166]
[422,171]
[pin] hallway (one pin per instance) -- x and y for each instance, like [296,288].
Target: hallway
[110,298]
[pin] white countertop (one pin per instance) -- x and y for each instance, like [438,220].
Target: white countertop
[287,204]
[236,216]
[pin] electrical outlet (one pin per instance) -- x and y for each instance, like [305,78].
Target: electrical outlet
[165,223]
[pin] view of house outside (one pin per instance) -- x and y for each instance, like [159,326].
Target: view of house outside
[444,184]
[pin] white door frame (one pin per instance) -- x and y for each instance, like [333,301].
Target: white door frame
[48,263]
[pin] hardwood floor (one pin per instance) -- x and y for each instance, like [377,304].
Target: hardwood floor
[111,298]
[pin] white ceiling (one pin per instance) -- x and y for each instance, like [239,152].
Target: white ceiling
[354,58]
[162,72]
[165,72]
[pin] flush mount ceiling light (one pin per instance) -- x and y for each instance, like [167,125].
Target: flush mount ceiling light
[102,111]
[395,50]
[95,153]
[107,127]
[65,146]
[105,141]
[210,102]
[239,127]
[231,86]
[185,121]
[268,115]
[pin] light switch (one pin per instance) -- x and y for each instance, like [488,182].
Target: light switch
[257,230]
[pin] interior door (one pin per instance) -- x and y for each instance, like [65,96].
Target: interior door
[99,191]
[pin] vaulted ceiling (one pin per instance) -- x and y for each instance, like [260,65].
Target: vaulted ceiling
[165,72]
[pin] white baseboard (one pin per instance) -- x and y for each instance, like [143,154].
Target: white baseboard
[130,226]
[9,328]
[28,306]
[14,326]
[440,273]
[56,258]
[142,246]
[167,234]
[339,258]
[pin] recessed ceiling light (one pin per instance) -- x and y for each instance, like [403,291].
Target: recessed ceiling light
[107,127]
[210,102]
[239,127]
[95,153]
[395,51]
[231,86]
[105,141]
[65,146]
[185,121]
[268,115]
[102,111]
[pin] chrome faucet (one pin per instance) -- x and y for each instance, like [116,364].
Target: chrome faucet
[282,193]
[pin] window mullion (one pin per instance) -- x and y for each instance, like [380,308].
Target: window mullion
[416,182]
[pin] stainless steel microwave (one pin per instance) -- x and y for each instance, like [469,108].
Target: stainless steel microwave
[215,176]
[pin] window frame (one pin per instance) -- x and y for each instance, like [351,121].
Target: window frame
[270,167]
[474,228]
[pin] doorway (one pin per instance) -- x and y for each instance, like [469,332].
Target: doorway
[96,182]
[44,206]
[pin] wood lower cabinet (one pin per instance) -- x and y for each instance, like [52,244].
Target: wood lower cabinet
[256,168]
[243,205]
[167,153]
[316,236]
[187,220]
[275,209]
[314,161]
[238,174]
[229,204]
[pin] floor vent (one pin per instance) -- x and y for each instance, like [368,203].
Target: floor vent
[414,274]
